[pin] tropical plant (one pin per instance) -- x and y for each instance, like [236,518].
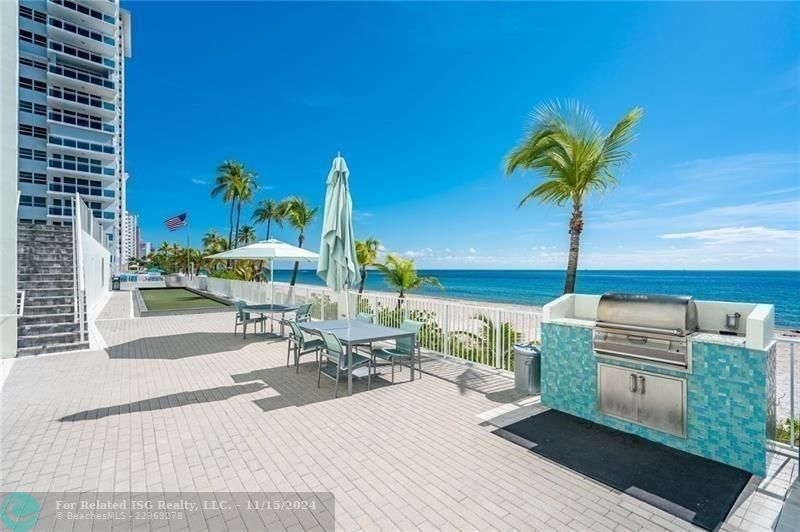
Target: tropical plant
[367,255]
[269,211]
[401,274]
[299,215]
[481,346]
[211,239]
[247,234]
[237,185]
[567,147]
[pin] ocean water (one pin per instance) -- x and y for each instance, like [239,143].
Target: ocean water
[537,287]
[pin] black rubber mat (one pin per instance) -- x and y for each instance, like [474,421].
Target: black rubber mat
[687,486]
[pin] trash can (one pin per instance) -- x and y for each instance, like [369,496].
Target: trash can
[115,282]
[527,368]
[202,282]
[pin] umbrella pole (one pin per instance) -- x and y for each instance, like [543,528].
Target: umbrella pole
[271,284]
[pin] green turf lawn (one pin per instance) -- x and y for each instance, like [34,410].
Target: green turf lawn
[175,298]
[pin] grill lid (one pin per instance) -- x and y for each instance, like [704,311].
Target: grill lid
[648,313]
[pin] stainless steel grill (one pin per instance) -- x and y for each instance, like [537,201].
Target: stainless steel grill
[644,326]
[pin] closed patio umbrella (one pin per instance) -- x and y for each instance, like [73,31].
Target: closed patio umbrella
[269,250]
[338,265]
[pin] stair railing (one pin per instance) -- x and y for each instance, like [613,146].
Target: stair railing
[79,292]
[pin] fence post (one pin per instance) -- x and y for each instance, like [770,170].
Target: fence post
[791,394]
[498,341]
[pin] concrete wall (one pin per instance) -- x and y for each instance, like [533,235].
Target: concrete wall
[9,67]
[96,272]
[729,401]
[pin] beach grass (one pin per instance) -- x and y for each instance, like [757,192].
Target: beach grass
[175,299]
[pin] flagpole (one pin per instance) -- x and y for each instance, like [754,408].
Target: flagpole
[188,262]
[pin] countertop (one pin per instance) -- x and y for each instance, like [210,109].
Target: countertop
[715,338]
[574,322]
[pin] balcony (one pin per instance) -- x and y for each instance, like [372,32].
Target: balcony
[82,57]
[106,196]
[81,122]
[82,102]
[82,148]
[81,80]
[94,17]
[80,169]
[71,33]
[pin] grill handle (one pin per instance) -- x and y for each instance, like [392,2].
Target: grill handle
[637,339]
[638,328]
[632,383]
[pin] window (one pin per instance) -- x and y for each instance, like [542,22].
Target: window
[81,144]
[35,108]
[32,154]
[36,178]
[86,11]
[32,63]
[26,201]
[84,98]
[83,32]
[33,38]
[32,84]
[32,14]
[82,54]
[33,131]
[75,118]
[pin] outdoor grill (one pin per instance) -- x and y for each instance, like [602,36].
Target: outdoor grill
[644,326]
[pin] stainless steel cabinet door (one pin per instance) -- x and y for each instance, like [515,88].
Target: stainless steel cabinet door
[615,395]
[662,403]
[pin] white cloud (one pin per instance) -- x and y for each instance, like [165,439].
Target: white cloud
[472,250]
[361,215]
[199,181]
[736,235]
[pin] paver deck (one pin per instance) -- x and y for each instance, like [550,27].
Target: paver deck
[179,403]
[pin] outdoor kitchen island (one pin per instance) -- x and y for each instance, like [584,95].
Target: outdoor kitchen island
[698,376]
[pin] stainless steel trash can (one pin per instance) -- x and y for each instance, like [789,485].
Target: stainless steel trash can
[527,368]
[115,283]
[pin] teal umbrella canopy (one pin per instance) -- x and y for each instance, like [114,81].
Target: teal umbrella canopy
[338,265]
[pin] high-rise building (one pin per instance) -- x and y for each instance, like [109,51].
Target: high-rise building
[71,121]
[145,248]
[130,238]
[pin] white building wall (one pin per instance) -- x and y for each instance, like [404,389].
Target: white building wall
[9,73]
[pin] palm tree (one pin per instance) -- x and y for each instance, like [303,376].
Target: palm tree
[247,234]
[367,255]
[246,186]
[401,274]
[225,184]
[567,147]
[211,239]
[269,211]
[299,215]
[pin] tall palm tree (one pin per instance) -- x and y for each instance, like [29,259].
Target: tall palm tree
[367,255]
[299,215]
[246,186]
[567,147]
[269,211]
[225,185]
[211,239]
[401,274]
[247,234]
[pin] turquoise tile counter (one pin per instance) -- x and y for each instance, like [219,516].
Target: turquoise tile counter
[730,391]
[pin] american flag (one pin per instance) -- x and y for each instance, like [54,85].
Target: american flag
[176,222]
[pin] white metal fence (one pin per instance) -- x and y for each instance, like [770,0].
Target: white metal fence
[483,334]
[787,369]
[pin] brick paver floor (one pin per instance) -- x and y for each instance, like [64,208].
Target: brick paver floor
[180,404]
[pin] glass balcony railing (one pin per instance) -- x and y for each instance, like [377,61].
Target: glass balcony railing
[82,54]
[83,32]
[80,144]
[81,122]
[80,8]
[59,164]
[81,98]
[80,189]
[81,76]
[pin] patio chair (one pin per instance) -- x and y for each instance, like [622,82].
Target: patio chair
[335,355]
[404,347]
[243,318]
[303,313]
[301,346]
[366,317]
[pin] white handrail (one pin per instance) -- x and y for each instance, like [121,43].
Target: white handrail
[77,224]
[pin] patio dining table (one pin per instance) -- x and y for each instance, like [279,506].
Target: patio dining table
[272,309]
[356,332]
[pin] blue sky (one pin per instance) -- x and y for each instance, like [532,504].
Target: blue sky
[425,99]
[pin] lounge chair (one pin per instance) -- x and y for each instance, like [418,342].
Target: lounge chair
[404,347]
[300,345]
[335,355]
[243,318]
